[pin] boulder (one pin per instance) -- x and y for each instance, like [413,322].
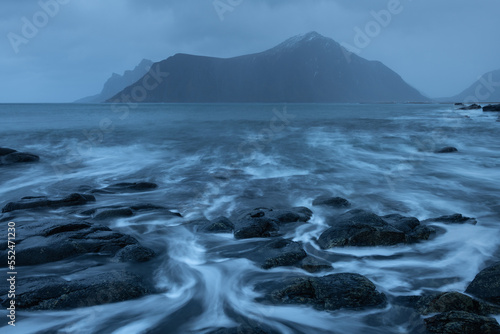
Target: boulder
[331,292]
[492,107]
[44,202]
[313,265]
[264,222]
[486,284]
[56,293]
[277,253]
[218,225]
[55,240]
[9,156]
[453,301]
[455,322]
[363,228]
[473,106]
[456,218]
[333,202]
[449,149]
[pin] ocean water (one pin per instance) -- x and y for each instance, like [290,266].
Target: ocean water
[213,160]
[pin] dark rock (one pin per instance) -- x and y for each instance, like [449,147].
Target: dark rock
[135,253]
[448,149]
[360,228]
[49,241]
[263,222]
[455,322]
[492,107]
[218,225]
[55,293]
[410,226]
[5,151]
[486,284]
[473,106]
[334,202]
[456,218]
[459,104]
[331,292]
[44,202]
[256,228]
[18,157]
[453,301]
[251,328]
[126,187]
[109,212]
[277,253]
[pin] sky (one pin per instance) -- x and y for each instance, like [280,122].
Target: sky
[63,50]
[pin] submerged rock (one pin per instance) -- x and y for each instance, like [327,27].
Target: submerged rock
[473,106]
[331,292]
[456,218]
[363,228]
[492,107]
[56,293]
[44,202]
[111,212]
[455,322]
[334,202]
[126,187]
[449,149]
[486,284]
[263,222]
[9,156]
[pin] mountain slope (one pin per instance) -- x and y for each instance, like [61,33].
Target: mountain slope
[117,83]
[485,89]
[305,68]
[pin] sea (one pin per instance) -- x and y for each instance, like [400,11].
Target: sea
[212,160]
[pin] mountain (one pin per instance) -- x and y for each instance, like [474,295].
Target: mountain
[485,89]
[304,68]
[117,83]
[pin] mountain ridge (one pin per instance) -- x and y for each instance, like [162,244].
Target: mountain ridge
[302,69]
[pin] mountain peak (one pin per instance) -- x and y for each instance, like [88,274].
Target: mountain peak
[302,39]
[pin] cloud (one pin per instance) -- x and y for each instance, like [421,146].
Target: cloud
[439,47]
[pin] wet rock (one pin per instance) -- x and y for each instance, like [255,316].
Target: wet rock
[256,227]
[264,222]
[44,202]
[492,107]
[363,228]
[449,149]
[111,212]
[5,151]
[251,328]
[455,322]
[333,202]
[135,253]
[453,301]
[456,218]
[56,293]
[55,240]
[126,187]
[486,284]
[9,156]
[218,225]
[473,106]
[331,292]
[277,253]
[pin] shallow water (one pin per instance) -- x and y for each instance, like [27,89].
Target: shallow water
[213,160]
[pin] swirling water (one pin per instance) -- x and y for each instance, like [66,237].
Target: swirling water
[213,160]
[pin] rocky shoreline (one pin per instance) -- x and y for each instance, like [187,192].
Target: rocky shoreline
[74,235]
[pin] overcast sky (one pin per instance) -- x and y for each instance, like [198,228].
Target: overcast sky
[438,46]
